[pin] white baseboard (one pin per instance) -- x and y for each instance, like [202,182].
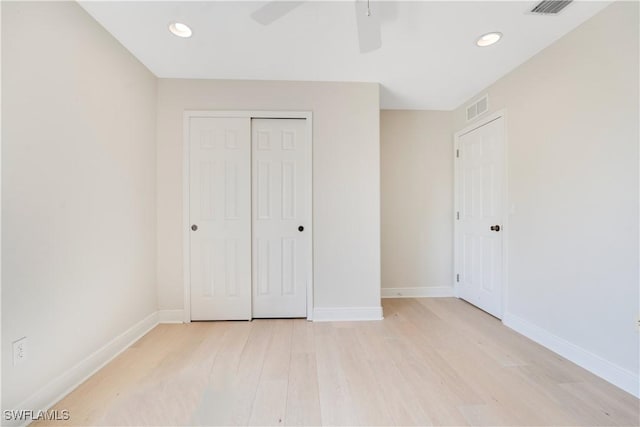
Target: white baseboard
[339,314]
[54,391]
[616,375]
[170,316]
[421,292]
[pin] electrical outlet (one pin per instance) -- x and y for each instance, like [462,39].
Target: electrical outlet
[19,351]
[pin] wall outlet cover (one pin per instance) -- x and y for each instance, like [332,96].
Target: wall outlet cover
[19,351]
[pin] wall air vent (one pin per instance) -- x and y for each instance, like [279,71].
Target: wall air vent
[550,7]
[478,107]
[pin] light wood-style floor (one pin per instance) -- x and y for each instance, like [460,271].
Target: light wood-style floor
[429,362]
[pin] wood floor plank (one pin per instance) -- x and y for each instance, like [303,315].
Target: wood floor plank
[235,377]
[171,393]
[303,399]
[367,399]
[433,361]
[270,403]
[335,394]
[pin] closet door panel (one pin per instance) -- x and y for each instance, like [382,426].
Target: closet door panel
[281,217]
[220,218]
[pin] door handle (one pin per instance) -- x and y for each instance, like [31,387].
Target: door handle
[194,227]
[495,228]
[301,229]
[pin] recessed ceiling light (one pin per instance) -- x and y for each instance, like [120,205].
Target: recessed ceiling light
[179,29]
[489,39]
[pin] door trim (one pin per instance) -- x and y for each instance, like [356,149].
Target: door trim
[505,203]
[186,236]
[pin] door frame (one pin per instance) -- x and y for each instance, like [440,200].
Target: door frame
[457,264]
[186,196]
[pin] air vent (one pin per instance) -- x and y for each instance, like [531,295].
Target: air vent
[478,108]
[550,7]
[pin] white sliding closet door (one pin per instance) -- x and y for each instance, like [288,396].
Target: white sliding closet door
[281,217]
[220,216]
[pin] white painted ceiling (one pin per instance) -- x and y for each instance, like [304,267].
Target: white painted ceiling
[428,58]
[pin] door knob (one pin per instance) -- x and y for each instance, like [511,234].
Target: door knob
[301,228]
[194,227]
[495,228]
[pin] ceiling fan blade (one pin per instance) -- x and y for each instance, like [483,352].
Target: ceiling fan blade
[369,33]
[274,10]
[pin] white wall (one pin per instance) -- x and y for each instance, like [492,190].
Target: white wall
[417,202]
[78,191]
[572,123]
[346,179]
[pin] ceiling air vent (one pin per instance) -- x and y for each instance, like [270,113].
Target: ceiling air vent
[550,7]
[478,108]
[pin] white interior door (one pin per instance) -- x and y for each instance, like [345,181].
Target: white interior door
[281,217]
[480,193]
[220,214]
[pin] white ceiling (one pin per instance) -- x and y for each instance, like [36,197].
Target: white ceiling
[428,58]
